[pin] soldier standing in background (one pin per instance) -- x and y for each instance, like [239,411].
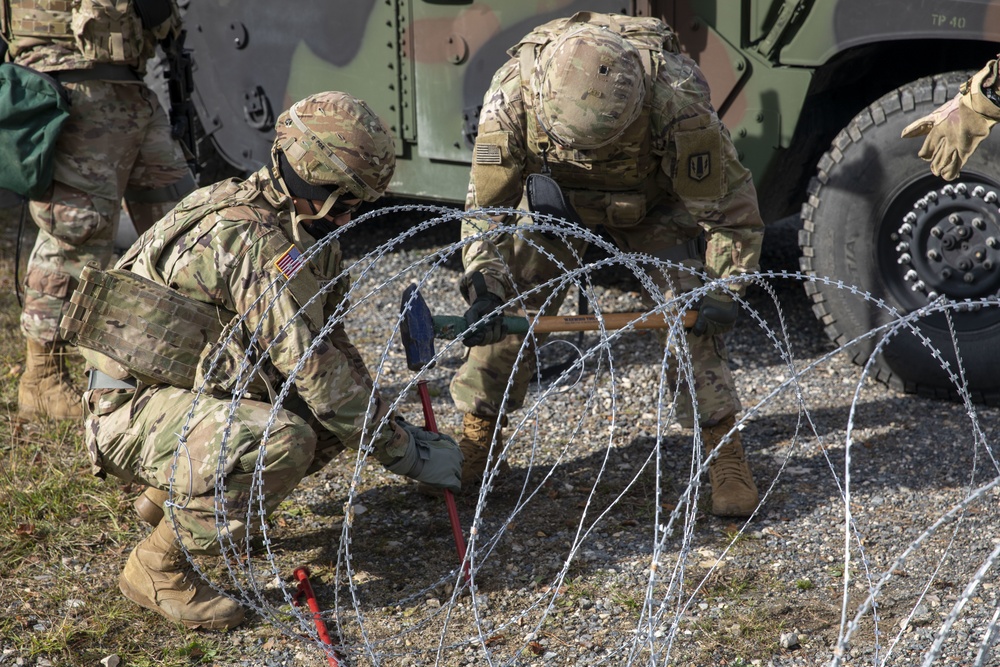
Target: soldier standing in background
[116,144]
[237,248]
[955,129]
[625,125]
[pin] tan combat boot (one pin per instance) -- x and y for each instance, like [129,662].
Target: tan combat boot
[45,389]
[149,505]
[158,576]
[733,490]
[477,435]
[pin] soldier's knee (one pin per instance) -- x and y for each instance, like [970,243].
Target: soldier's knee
[75,217]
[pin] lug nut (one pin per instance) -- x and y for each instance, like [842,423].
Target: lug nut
[946,273]
[969,278]
[961,188]
[936,232]
[932,296]
[955,219]
[910,217]
[978,223]
[918,286]
[933,255]
[932,195]
[910,275]
[992,242]
[904,258]
[988,265]
[965,265]
[902,246]
[978,191]
[990,197]
[906,229]
[948,190]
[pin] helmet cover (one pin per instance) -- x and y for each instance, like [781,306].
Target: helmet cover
[335,139]
[590,86]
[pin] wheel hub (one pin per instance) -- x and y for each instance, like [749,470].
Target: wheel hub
[949,244]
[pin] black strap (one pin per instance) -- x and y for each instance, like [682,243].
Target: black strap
[99,72]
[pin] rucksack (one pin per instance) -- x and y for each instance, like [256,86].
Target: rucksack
[33,109]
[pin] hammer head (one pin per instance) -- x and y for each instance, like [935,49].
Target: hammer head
[417,329]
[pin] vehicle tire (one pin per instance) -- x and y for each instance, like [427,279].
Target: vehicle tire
[854,231]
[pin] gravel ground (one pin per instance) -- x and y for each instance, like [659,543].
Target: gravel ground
[596,549]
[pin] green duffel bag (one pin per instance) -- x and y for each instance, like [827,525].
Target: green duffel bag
[33,109]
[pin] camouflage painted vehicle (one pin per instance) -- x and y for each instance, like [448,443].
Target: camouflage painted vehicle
[815,93]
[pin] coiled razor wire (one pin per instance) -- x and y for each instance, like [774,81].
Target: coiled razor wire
[588,411]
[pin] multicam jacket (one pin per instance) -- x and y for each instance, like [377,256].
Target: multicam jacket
[242,253]
[676,150]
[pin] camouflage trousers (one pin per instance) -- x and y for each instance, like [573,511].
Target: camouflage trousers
[479,385]
[134,435]
[115,145]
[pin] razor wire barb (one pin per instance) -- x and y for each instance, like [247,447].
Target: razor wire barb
[671,585]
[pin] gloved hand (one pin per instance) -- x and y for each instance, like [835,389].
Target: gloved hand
[482,328]
[432,458]
[717,315]
[956,128]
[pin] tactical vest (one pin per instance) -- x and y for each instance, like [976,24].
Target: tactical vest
[627,164]
[105,31]
[128,325]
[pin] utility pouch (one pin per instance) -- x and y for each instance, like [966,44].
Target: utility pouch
[546,197]
[158,335]
[626,209]
[33,109]
[107,31]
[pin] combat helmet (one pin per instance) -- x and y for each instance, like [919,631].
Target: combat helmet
[589,86]
[331,145]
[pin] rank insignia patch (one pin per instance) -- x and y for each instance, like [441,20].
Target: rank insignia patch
[289,262]
[699,166]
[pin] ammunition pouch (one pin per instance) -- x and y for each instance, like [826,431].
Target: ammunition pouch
[105,31]
[141,328]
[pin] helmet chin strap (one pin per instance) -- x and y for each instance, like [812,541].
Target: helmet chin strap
[317,224]
[323,211]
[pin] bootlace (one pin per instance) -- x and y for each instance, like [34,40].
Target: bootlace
[729,468]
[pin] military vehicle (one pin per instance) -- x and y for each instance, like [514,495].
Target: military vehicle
[814,92]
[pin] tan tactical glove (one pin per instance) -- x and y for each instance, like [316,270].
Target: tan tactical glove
[958,126]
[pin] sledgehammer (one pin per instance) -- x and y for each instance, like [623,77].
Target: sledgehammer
[417,330]
[451,327]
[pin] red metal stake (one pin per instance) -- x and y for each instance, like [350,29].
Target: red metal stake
[449,498]
[304,589]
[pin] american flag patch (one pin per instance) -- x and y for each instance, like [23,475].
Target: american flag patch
[488,154]
[289,262]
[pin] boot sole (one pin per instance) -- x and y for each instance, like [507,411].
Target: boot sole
[135,596]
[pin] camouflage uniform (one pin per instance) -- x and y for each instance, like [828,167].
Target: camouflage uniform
[116,144]
[227,257]
[671,176]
